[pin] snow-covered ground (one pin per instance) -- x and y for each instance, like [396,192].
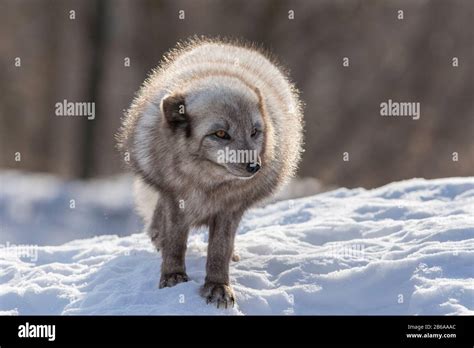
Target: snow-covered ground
[405,248]
[45,210]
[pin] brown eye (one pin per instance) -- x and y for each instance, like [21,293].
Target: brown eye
[222,134]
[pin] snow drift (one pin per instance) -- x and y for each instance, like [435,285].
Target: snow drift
[405,248]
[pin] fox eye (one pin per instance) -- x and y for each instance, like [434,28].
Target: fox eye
[222,134]
[254,132]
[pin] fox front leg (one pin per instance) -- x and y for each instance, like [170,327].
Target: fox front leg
[171,239]
[217,289]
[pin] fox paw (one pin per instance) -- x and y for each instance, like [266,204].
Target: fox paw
[220,294]
[172,279]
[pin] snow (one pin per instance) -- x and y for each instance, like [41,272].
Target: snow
[404,248]
[42,209]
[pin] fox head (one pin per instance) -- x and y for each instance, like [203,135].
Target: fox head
[219,125]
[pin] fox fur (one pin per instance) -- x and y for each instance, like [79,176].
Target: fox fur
[169,134]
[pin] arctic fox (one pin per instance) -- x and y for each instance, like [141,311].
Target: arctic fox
[209,98]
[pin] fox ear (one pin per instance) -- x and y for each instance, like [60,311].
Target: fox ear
[173,108]
[259,95]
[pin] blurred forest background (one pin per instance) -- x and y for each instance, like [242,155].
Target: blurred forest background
[409,59]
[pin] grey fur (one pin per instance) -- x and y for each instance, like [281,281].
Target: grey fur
[203,86]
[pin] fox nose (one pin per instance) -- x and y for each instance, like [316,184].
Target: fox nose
[253,167]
